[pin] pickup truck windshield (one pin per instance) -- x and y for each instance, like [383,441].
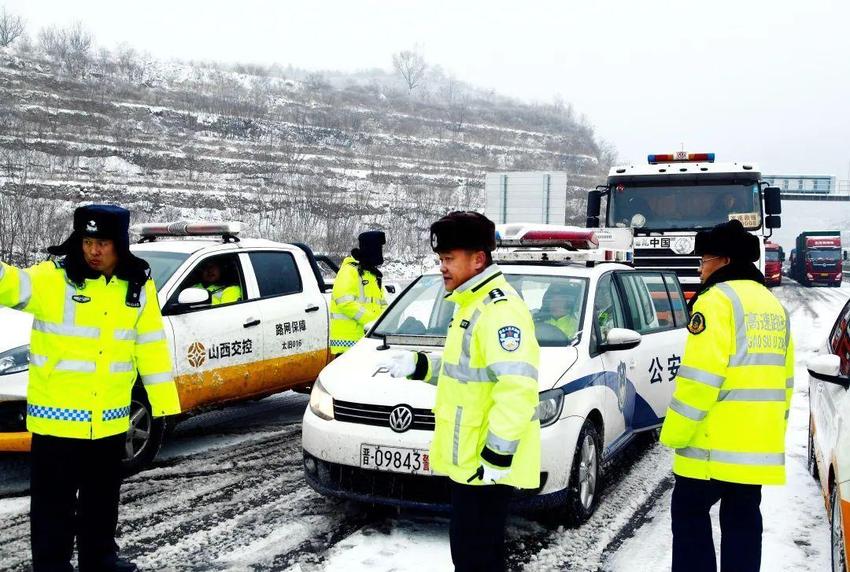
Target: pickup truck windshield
[683,207]
[556,304]
[163,264]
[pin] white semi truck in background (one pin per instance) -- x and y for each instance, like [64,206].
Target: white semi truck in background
[656,209]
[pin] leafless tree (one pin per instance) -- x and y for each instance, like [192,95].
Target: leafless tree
[69,47]
[412,67]
[11,27]
[128,63]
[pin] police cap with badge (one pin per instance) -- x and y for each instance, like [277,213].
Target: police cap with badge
[463,230]
[105,222]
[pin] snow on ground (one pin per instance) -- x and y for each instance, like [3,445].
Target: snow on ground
[796,530]
[227,493]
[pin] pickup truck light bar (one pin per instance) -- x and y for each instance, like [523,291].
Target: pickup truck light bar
[150,231]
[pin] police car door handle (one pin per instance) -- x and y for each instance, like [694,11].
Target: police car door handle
[251,323]
[311,309]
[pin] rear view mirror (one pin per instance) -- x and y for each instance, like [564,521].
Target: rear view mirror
[620,339]
[827,368]
[772,201]
[192,296]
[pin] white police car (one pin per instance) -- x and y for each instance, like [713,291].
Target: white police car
[611,343]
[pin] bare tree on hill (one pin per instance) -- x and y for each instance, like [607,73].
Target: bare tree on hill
[69,47]
[412,67]
[11,27]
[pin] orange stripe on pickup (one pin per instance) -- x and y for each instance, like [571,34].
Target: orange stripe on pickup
[20,442]
[242,381]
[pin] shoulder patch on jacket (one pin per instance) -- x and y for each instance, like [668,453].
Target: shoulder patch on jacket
[697,324]
[497,295]
[510,338]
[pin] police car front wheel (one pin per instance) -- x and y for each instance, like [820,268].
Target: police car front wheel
[582,494]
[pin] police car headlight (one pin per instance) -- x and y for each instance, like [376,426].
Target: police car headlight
[15,360]
[321,402]
[550,406]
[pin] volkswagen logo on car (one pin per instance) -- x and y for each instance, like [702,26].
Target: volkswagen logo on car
[401,418]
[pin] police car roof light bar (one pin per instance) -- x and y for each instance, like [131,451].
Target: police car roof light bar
[571,238]
[680,157]
[227,230]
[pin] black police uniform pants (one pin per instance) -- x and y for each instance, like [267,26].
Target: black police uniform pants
[74,487]
[477,528]
[740,526]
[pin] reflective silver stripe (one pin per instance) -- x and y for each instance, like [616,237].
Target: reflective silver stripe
[701,376]
[339,317]
[345,299]
[359,315]
[742,355]
[2,271]
[733,457]
[436,364]
[38,360]
[150,337]
[66,329]
[753,395]
[513,368]
[121,367]
[468,374]
[157,378]
[76,365]
[69,312]
[143,300]
[24,290]
[125,335]
[456,443]
[499,445]
[687,411]
[789,383]
[759,359]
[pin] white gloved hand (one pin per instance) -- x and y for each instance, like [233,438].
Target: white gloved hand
[493,474]
[399,363]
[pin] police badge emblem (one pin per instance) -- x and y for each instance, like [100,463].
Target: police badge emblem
[697,324]
[510,338]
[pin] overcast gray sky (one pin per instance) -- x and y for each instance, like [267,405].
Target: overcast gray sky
[758,80]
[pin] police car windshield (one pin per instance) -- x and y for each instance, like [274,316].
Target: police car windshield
[556,303]
[163,264]
[683,206]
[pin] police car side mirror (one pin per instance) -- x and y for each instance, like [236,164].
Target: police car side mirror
[827,368]
[193,296]
[620,339]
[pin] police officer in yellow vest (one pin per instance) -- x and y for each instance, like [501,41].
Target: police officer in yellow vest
[211,281]
[487,437]
[357,297]
[729,412]
[97,329]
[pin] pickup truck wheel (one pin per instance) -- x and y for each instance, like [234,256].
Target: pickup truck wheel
[144,436]
[584,486]
[811,461]
[839,556]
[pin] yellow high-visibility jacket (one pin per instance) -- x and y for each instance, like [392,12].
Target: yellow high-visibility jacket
[487,391]
[729,411]
[86,351]
[221,294]
[357,299]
